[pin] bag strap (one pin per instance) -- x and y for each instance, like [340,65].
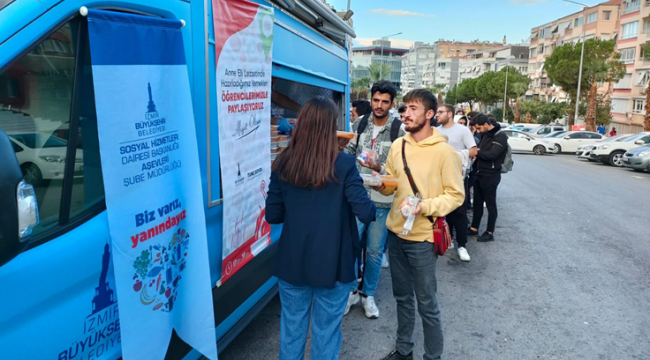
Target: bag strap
[410,177]
[363,124]
[394,130]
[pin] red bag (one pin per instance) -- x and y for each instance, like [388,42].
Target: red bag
[441,233]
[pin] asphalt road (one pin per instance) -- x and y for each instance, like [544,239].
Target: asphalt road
[568,276]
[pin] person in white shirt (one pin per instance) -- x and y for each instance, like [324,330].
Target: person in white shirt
[461,139]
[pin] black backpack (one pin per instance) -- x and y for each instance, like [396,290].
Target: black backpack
[363,124]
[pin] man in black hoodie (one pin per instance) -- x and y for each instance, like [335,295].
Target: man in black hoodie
[492,151]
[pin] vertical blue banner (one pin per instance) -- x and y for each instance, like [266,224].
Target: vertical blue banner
[150,165]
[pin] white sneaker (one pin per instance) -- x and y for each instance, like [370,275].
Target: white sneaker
[368,303]
[384,261]
[463,255]
[352,300]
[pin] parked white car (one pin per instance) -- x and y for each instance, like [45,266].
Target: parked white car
[520,141]
[42,157]
[612,153]
[584,152]
[546,130]
[572,140]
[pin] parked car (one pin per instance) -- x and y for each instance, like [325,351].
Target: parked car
[584,152]
[612,153]
[554,134]
[638,159]
[542,131]
[520,141]
[572,140]
[42,157]
[522,126]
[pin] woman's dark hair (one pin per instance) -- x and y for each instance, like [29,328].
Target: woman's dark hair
[471,114]
[363,107]
[384,87]
[309,159]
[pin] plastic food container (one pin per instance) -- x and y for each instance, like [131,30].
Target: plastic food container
[345,135]
[389,181]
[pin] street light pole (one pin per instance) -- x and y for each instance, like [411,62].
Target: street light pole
[505,91]
[381,68]
[582,54]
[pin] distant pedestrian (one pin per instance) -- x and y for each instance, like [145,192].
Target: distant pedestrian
[491,153]
[463,121]
[462,140]
[402,111]
[434,168]
[460,112]
[319,240]
[612,133]
[601,129]
[359,108]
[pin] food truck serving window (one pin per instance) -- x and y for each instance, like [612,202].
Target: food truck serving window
[299,94]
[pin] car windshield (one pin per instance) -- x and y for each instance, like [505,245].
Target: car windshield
[555,134]
[635,137]
[35,141]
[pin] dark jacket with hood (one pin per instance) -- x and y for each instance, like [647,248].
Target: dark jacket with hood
[492,152]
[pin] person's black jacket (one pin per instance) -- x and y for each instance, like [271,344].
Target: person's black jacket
[320,240]
[492,151]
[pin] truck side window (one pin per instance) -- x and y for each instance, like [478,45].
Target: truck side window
[37,98]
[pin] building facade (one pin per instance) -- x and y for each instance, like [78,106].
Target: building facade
[628,96]
[476,64]
[413,64]
[380,52]
[598,21]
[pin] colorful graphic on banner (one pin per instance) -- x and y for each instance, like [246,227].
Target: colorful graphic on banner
[150,165]
[244,50]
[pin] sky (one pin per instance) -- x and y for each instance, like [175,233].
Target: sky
[461,20]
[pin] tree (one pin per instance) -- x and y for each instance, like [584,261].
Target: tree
[467,92]
[601,62]
[362,83]
[377,73]
[452,96]
[498,114]
[646,123]
[436,89]
[550,111]
[519,88]
[532,109]
[603,109]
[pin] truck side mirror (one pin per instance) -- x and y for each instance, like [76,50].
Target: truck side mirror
[19,212]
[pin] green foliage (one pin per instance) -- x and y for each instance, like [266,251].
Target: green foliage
[376,70]
[437,88]
[141,264]
[362,83]
[452,96]
[498,114]
[489,88]
[645,49]
[550,111]
[603,110]
[601,62]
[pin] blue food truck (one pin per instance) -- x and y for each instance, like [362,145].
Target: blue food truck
[56,277]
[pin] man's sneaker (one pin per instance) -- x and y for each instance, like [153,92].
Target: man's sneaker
[485,237]
[384,261]
[352,300]
[472,232]
[395,355]
[370,308]
[463,255]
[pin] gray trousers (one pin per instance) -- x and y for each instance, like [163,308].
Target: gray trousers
[413,272]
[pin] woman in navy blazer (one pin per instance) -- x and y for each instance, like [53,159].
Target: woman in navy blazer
[316,192]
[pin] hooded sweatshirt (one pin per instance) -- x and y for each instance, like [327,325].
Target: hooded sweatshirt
[435,167]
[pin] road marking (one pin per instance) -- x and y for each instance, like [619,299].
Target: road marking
[638,177]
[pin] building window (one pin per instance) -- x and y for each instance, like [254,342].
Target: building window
[620,106]
[533,52]
[632,6]
[639,106]
[624,83]
[607,15]
[630,30]
[541,49]
[628,55]
[578,21]
[643,78]
[646,26]
[593,17]
[531,67]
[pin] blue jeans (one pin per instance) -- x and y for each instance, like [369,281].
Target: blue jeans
[375,249]
[324,307]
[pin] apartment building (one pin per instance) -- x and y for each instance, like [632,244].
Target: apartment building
[628,95]
[441,70]
[381,51]
[413,64]
[457,49]
[598,21]
[476,64]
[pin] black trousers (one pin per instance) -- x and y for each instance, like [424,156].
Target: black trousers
[485,190]
[457,221]
[469,182]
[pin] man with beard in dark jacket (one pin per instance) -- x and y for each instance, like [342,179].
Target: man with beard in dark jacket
[492,152]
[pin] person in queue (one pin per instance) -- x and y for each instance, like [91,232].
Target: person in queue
[375,134]
[492,152]
[463,121]
[462,140]
[401,110]
[435,167]
[359,109]
[317,193]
